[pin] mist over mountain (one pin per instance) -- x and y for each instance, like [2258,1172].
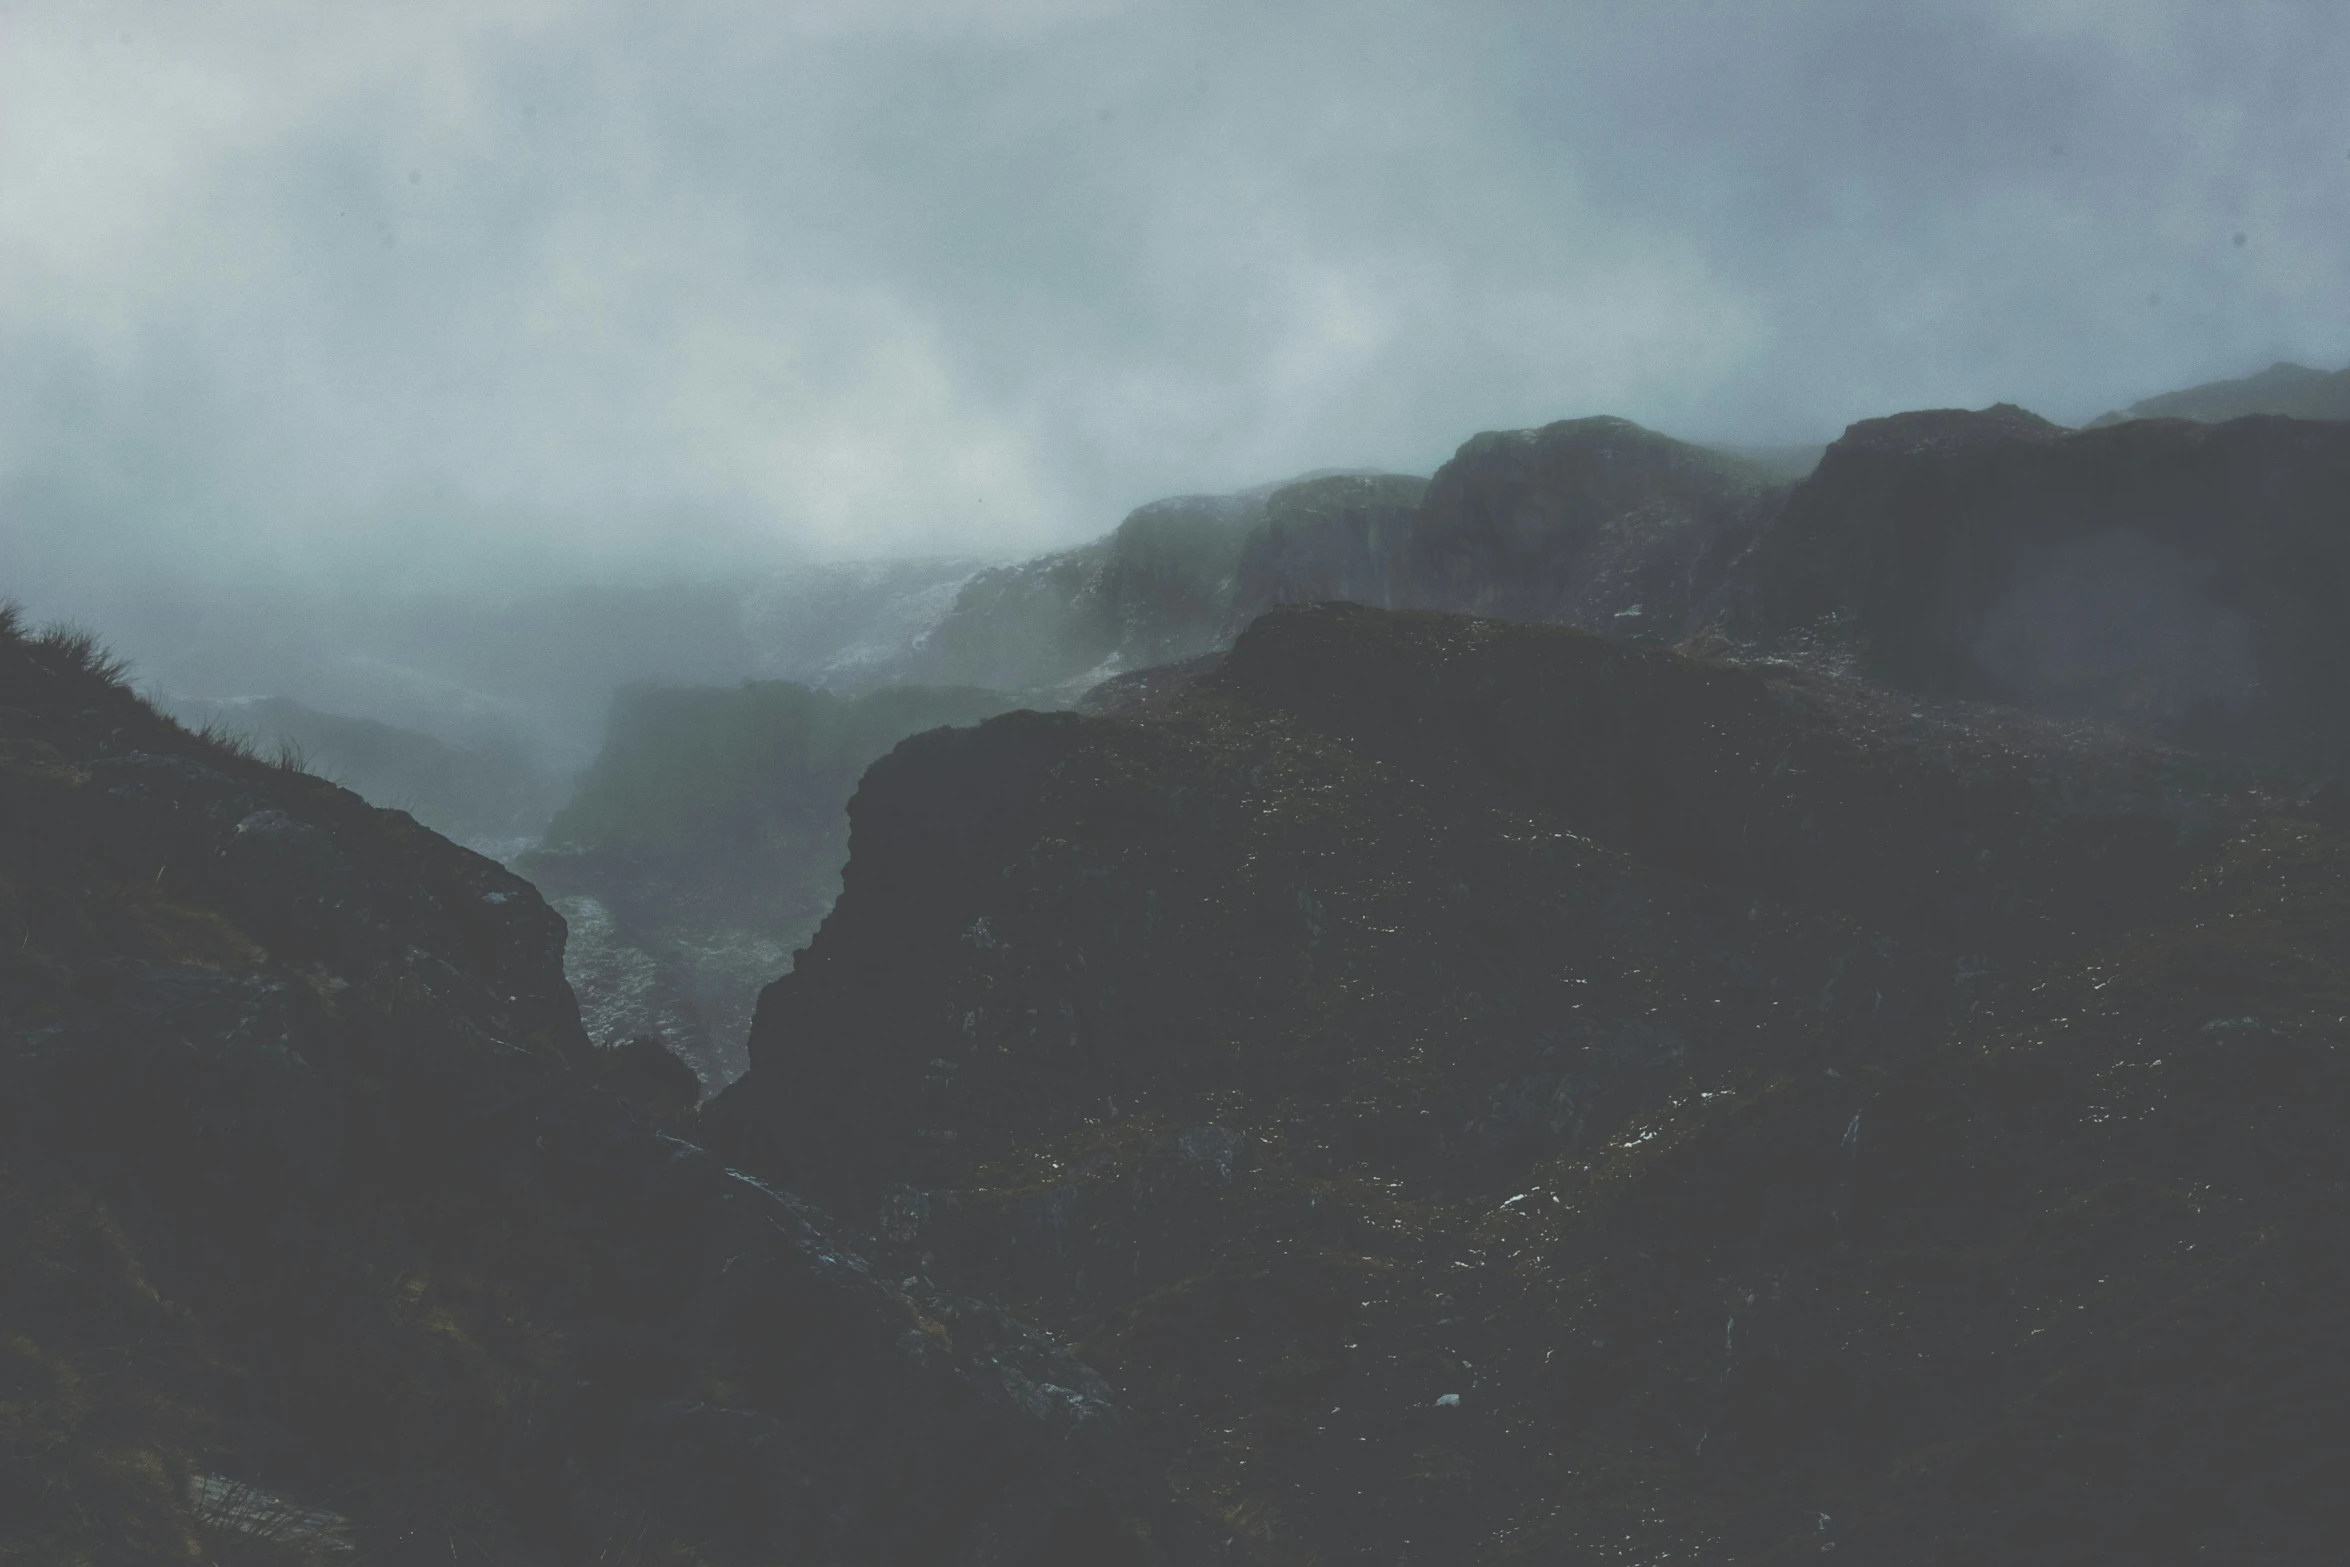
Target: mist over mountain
[472,298]
[2294,390]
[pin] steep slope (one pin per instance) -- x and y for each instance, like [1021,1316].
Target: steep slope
[705,843]
[2181,575]
[1490,1094]
[2289,389]
[322,1225]
[488,796]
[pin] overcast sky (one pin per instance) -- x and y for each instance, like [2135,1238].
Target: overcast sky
[407,289]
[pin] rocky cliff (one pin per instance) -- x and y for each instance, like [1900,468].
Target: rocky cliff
[1595,523]
[328,1234]
[1154,590]
[2179,575]
[1492,1094]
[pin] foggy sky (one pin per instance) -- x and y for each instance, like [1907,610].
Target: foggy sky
[418,292]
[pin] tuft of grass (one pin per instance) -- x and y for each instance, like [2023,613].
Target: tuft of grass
[220,737]
[77,650]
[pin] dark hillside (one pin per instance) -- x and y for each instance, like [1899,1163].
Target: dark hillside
[2182,576]
[325,1233]
[1489,1095]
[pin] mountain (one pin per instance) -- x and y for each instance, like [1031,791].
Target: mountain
[326,1234]
[1591,522]
[2290,389]
[705,844]
[1496,1094]
[2182,576]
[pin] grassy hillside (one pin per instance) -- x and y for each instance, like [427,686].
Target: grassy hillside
[489,796]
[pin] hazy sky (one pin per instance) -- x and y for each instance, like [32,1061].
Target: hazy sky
[410,289]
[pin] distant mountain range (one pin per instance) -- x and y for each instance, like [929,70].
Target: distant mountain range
[2283,388]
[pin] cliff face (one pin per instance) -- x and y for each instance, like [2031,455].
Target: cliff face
[1595,523]
[1155,590]
[1487,1092]
[1339,537]
[2175,574]
[312,1183]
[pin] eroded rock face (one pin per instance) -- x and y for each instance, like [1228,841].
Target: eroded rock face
[2175,574]
[1480,1086]
[414,1249]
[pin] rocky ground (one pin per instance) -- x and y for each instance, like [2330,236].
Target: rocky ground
[1481,1093]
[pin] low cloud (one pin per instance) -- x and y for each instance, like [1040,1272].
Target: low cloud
[435,294]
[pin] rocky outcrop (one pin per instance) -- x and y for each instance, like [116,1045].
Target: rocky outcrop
[1492,1093]
[2179,575]
[1594,523]
[311,1183]
[2289,389]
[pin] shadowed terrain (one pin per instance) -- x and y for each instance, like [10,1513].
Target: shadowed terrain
[1490,1094]
[328,1235]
